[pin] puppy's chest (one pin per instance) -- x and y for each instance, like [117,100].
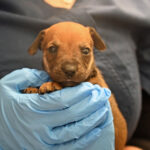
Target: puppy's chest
[97,78]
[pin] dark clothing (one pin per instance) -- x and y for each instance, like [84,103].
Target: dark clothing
[141,137]
[123,25]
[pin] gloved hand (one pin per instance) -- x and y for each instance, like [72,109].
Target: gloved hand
[73,118]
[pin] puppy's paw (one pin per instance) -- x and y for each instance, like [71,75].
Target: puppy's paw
[49,87]
[31,90]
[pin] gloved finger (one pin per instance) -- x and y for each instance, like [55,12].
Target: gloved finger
[64,98]
[77,129]
[61,114]
[82,143]
[59,100]
[23,78]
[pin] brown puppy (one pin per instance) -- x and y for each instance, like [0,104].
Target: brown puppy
[68,58]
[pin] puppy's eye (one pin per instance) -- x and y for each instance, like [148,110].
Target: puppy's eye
[53,49]
[85,50]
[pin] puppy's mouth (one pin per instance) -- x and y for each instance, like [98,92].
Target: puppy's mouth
[69,83]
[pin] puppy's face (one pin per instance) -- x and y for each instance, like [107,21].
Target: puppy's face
[67,52]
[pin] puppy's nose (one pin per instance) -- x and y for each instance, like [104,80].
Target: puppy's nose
[69,69]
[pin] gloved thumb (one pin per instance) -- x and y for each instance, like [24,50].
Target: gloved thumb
[23,78]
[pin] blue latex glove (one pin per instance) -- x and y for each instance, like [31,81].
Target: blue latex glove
[73,118]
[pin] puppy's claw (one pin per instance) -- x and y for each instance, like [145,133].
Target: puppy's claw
[49,87]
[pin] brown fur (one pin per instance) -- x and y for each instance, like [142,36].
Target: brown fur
[68,58]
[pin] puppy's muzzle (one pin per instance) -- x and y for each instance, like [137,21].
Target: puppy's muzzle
[69,69]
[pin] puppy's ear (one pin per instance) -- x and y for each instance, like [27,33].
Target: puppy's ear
[98,42]
[37,43]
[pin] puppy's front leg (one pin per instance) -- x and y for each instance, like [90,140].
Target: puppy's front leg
[31,90]
[44,88]
[49,87]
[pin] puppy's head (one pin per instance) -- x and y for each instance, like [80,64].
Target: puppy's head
[68,51]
